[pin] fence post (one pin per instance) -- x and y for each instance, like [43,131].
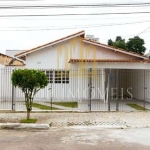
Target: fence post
[50,96]
[90,88]
[144,89]
[13,90]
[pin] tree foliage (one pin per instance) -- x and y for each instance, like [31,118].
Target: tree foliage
[30,82]
[118,43]
[135,44]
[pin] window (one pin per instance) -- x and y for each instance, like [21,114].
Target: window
[57,76]
[65,76]
[49,75]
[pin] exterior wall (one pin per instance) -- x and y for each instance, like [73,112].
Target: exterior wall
[59,55]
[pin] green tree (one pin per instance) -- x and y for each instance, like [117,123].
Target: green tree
[136,44]
[118,43]
[30,82]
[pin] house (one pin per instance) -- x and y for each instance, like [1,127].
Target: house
[70,51]
[84,70]
[10,61]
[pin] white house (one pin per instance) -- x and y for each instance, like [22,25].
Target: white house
[75,64]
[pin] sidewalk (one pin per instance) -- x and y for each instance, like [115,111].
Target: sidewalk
[104,119]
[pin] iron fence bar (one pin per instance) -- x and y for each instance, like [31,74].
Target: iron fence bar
[117,92]
[144,89]
[13,95]
[109,89]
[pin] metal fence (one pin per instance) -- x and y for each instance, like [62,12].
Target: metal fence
[82,90]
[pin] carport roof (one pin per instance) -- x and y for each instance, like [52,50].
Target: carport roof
[108,60]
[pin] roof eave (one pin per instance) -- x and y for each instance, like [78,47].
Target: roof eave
[59,41]
[115,49]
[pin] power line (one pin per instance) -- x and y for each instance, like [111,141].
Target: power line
[97,5]
[143,31]
[79,14]
[89,5]
[47,7]
[78,18]
[18,0]
[89,25]
[73,27]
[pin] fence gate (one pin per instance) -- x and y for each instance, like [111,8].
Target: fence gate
[83,90]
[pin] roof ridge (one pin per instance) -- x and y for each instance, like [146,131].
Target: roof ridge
[51,42]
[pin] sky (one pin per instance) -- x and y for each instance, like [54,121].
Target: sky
[34,33]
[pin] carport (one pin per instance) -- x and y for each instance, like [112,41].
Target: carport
[128,89]
[126,84]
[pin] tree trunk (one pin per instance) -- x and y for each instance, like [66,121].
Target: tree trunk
[28,114]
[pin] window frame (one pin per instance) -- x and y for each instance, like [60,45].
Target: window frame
[57,76]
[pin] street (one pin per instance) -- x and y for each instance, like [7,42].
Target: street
[76,137]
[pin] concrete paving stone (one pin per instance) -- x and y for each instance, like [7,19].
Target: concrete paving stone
[130,119]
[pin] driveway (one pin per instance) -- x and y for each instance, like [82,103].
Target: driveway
[73,138]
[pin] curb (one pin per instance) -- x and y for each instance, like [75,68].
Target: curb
[24,126]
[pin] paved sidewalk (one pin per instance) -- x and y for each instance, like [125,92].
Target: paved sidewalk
[108,119]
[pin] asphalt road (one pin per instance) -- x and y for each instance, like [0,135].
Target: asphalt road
[76,138]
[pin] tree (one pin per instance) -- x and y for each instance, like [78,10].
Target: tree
[30,82]
[135,44]
[118,43]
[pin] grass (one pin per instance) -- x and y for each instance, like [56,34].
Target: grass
[43,107]
[137,107]
[28,121]
[67,104]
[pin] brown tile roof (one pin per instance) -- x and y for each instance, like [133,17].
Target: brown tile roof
[22,54]
[53,42]
[108,60]
[121,50]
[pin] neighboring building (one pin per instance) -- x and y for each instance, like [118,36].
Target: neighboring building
[10,61]
[92,38]
[148,54]
[12,53]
